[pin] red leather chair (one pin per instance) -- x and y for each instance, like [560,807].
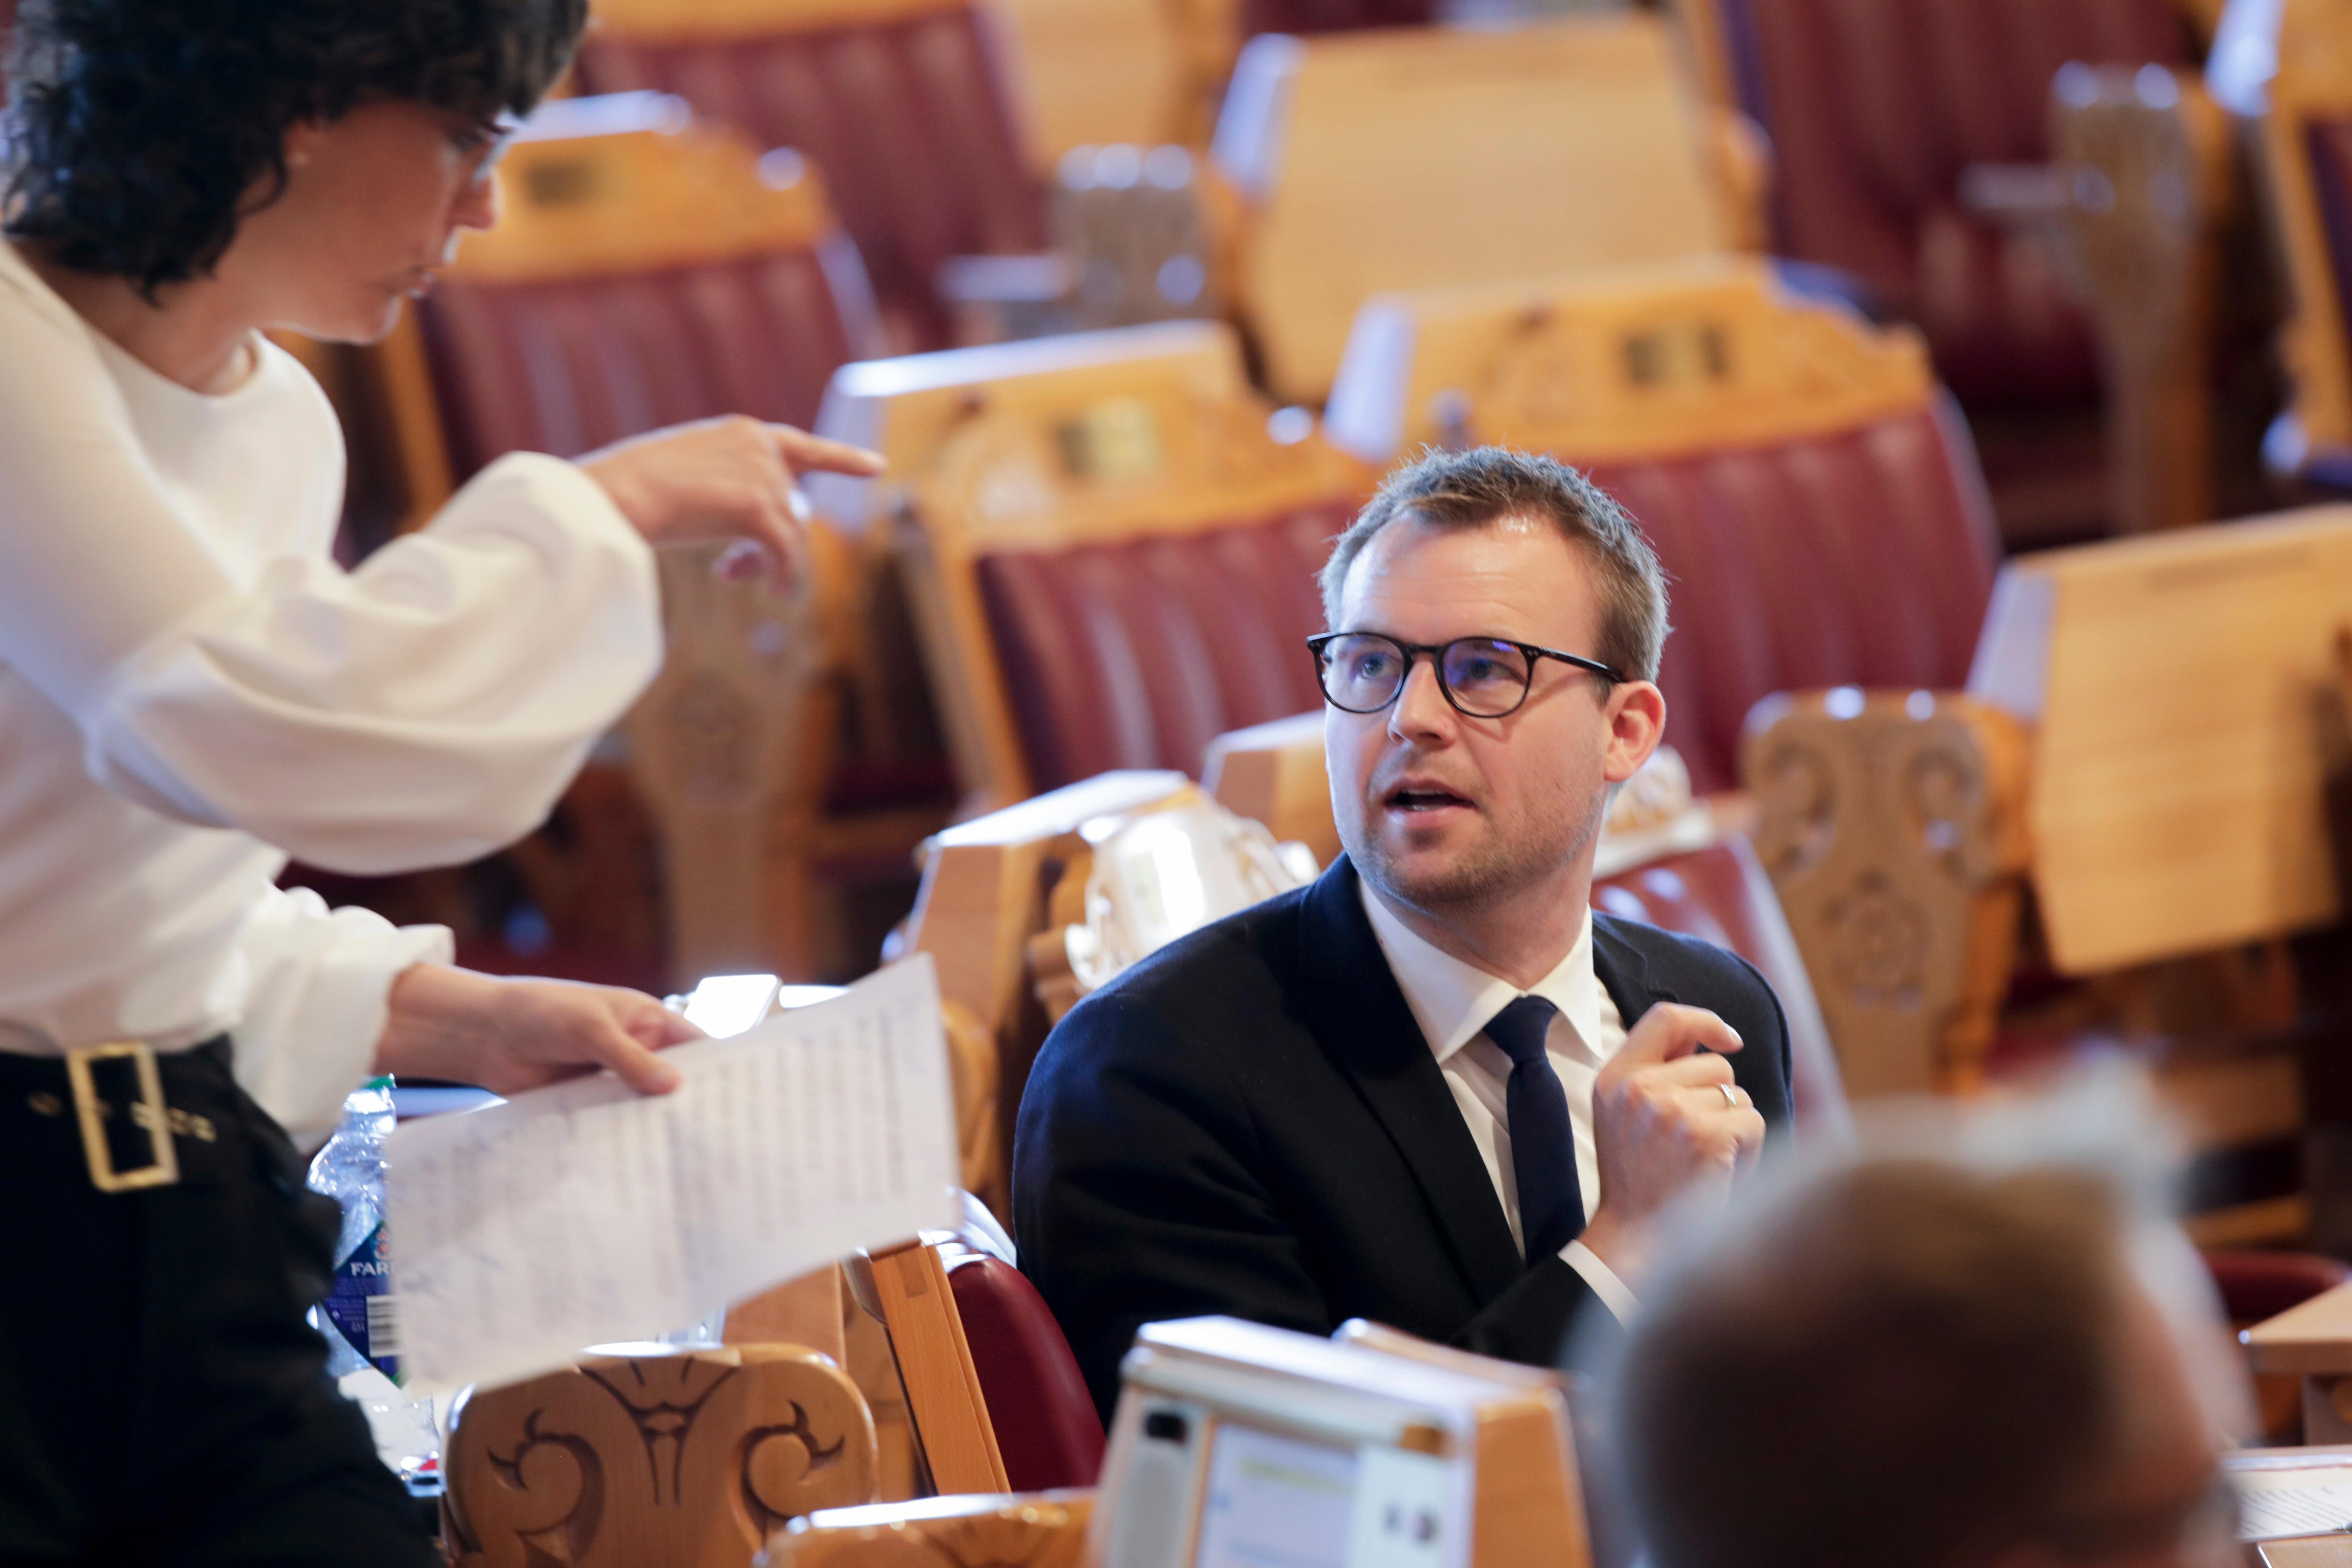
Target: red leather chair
[1873,111]
[1046,1427]
[1860,558]
[907,117]
[547,347]
[1781,560]
[1332,15]
[1233,605]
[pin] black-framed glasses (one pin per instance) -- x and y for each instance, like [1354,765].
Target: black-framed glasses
[1482,678]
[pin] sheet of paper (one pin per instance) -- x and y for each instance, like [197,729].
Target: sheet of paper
[584,1214]
[2276,1501]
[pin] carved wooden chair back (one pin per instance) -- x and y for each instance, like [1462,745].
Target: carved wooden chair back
[650,270]
[2143,742]
[1874,112]
[688,1459]
[646,269]
[1814,502]
[901,103]
[1371,161]
[1918,147]
[1108,541]
[2306,149]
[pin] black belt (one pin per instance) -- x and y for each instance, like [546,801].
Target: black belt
[142,1115]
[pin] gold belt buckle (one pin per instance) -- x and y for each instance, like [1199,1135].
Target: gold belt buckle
[149,1114]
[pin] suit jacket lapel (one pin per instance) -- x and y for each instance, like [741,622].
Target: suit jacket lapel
[1623,972]
[1620,967]
[1359,1015]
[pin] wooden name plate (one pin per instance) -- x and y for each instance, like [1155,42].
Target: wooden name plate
[631,182]
[1618,366]
[1089,434]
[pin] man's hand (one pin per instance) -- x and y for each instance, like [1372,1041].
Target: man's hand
[513,1035]
[734,477]
[1663,1126]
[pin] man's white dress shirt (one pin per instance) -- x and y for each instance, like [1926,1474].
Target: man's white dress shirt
[191,689]
[1451,1002]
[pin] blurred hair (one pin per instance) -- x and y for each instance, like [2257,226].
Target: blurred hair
[1478,488]
[1908,1355]
[137,129]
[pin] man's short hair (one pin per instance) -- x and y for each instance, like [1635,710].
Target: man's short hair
[1481,487]
[1907,1361]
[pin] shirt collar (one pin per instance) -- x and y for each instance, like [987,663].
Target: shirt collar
[1452,1000]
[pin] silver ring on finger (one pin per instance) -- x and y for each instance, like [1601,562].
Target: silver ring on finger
[1730,1096]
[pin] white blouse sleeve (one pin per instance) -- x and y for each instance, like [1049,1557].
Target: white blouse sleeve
[317,983]
[424,709]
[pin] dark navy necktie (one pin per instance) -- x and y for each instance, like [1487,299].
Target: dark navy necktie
[1543,1147]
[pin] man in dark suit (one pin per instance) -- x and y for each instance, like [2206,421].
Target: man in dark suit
[1433,1088]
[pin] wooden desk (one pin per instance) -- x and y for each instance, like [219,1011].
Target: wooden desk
[2313,1341]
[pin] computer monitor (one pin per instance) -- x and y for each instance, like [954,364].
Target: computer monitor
[1238,1445]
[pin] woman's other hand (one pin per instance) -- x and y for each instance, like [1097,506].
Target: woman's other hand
[512,1035]
[734,477]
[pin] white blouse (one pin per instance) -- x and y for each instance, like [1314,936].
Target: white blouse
[191,689]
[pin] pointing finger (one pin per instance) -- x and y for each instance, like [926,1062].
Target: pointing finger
[803,451]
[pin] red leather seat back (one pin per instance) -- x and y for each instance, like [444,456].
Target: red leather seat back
[1864,558]
[1874,109]
[1139,654]
[2331,172]
[908,119]
[1047,1427]
[1721,894]
[1333,16]
[567,366]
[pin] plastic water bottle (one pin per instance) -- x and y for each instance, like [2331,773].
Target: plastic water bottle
[359,1316]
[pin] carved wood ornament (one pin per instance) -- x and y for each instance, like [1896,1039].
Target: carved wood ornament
[688,1459]
[1893,826]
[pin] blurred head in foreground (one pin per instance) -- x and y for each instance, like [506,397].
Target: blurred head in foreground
[1971,1354]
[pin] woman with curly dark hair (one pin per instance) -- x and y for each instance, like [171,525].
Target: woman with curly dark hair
[190,690]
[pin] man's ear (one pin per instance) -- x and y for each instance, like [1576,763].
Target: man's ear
[1636,714]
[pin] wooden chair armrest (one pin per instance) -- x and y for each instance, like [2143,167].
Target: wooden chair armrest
[1034,1529]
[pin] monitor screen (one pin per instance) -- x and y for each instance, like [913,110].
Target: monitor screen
[1278,1501]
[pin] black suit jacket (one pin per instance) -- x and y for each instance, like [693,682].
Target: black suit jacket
[1251,1122]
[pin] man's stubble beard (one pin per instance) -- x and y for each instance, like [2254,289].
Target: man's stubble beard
[1491,872]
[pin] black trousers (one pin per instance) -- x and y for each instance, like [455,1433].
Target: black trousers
[161,1398]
